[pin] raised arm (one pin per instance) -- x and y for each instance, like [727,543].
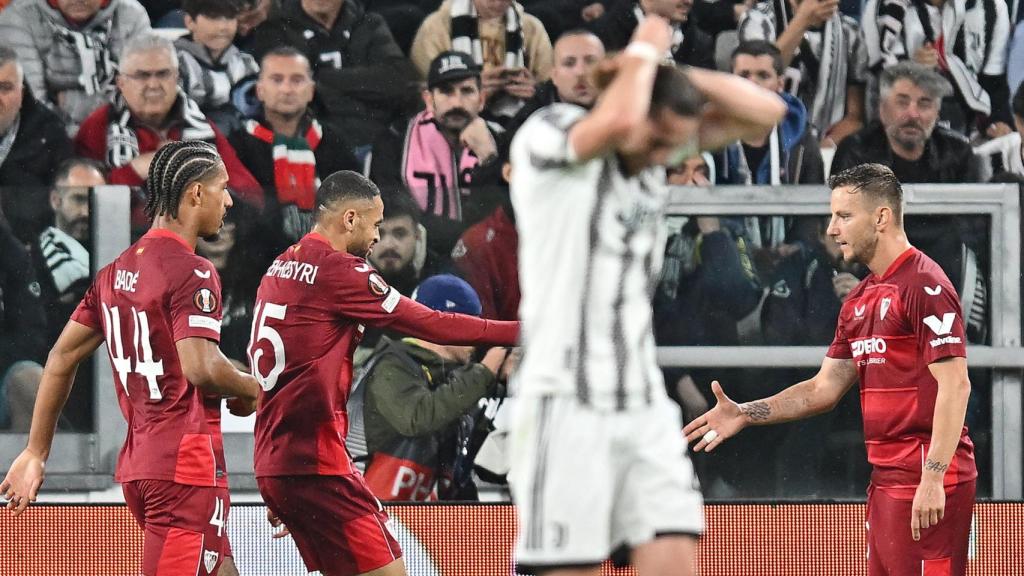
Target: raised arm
[808,398]
[737,109]
[626,102]
[26,475]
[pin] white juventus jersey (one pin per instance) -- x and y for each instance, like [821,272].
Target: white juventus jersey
[591,244]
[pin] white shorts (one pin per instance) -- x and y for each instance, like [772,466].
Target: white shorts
[586,481]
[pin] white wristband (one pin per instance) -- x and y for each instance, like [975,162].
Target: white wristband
[645,51]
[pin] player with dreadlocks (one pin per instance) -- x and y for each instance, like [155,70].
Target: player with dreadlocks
[158,308]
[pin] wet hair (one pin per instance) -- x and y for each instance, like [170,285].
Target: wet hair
[759,48]
[672,91]
[212,8]
[64,169]
[175,166]
[924,77]
[875,181]
[344,186]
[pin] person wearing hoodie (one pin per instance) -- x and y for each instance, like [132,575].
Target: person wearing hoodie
[69,49]
[213,71]
[363,81]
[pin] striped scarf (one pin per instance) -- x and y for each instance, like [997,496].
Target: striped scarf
[294,162]
[123,142]
[677,34]
[466,34]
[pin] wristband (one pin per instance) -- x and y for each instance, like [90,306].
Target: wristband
[644,50]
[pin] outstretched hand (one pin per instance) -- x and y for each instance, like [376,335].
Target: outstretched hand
[713,427]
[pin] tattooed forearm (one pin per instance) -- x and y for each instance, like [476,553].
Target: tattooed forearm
[933,466]
[756,411]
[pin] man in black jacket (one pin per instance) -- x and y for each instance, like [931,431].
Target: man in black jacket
[33,142]
[576,52]
[286,148]
[690,44]
[906,138]
[363,79]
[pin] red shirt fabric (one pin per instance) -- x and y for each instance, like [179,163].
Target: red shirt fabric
[151,296]
[91,142]
[311,309]
[487,257]
[893,327]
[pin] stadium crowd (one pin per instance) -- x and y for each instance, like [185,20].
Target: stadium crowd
[424,96]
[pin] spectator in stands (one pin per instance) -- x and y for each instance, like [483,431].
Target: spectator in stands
[695,171]
[214,73]
[22,333]
[575,54]
[287,148]
[363,79]
[150,109]
[510,45]
[487,254]
[690,44]
[32,144]
[906,137]
[253,13]
[790,153]
[824,56]
[433,154]
[415,395]
[1005,154]
[965,42]
[401,255]
[69,49]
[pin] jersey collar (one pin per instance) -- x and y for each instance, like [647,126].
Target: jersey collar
[165,233]
[898,262]
[318,237]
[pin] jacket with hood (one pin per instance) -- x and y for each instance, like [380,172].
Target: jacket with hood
[797,162]
[40,145]
[77,60]
[363,80]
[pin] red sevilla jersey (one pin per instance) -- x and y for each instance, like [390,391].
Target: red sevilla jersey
[156,293]
[893,327]
[311,309]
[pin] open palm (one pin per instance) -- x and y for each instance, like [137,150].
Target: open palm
[725,420]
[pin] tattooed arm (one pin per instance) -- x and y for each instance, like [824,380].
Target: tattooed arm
[808,398]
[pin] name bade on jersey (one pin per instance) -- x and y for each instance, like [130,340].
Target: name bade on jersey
[293,270]
[125,280]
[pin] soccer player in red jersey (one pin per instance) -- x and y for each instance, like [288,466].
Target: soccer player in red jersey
[901,333]
[157,306]
[311,308]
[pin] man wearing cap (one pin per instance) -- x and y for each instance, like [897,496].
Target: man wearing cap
[414,395]
[433,154]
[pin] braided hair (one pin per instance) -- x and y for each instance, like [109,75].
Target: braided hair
[174,167]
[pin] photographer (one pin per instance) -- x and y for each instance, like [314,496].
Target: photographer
[416,403]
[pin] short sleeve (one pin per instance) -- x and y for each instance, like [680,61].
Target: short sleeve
[196,304]
[840,347]
[935,315]
[359,292]
[544,138]
[86,313]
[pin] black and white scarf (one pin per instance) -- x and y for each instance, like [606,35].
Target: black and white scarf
[97,67]
[973,40]
[123,142]
[823,54]
[466,34]
[677,33]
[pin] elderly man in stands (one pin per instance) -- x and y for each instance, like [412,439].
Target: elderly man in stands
[286,147]
[362,77]
[32,144]
[150,109]
[69,48]
[510,46]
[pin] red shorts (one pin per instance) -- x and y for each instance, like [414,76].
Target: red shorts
[942,549]
[185,527]
[336,522]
